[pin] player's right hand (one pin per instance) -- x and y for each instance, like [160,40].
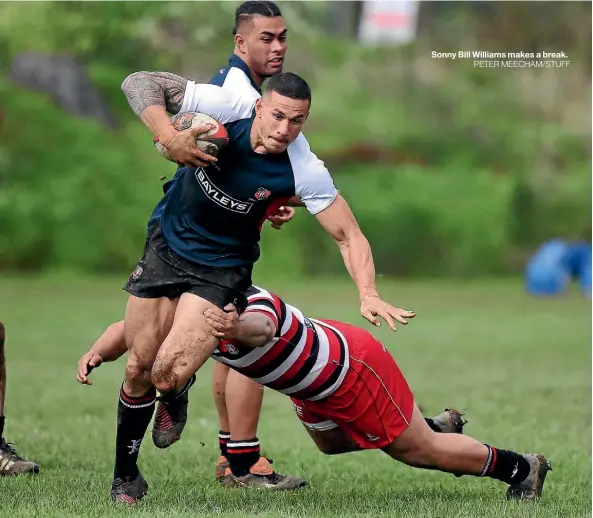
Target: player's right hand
[372,306]
[86,364]
[182,146]
[223,323]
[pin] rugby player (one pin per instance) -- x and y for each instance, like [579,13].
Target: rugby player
[10,462]
[260,44]
[201,251]
[347,391]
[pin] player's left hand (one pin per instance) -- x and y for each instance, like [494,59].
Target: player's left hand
[281,216]
[373,306]
[223,323]
[86,364]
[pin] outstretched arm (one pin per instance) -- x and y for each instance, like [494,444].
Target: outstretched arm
[341,225]
[108,348]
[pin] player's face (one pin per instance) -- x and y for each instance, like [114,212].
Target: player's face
[263,43]
[279,120]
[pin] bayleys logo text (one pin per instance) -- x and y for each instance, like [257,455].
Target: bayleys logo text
[218,196]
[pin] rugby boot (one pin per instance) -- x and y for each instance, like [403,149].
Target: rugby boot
[13,464]
[531,488]
[170,418]
[450,421]
[221,467]
[262,476]
[129,490]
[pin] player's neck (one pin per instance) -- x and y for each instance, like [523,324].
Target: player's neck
[256,141]
[257,79]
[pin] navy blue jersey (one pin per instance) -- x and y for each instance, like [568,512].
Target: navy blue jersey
[240,81]
[213,215]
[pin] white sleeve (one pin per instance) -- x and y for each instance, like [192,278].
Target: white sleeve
[313,182]
[224,105]
[237,82]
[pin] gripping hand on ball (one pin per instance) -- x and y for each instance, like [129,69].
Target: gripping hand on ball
[182,146]
[373,306]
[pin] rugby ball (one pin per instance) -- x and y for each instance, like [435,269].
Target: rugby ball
[211,142]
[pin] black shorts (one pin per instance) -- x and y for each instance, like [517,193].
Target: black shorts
[162,273]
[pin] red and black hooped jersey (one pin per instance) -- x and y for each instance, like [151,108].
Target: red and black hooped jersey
[306,359]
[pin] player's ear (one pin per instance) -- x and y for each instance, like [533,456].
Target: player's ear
[259,106]
[240,42]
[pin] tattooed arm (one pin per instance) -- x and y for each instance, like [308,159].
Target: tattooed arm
[144,89]
[151,95]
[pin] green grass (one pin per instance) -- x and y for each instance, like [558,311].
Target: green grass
[519,367]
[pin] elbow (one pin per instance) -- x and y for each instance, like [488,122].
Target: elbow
[125,86]
[341,239]
[117,329]
[129,82]
[268,331]
[355,235]
[265,333]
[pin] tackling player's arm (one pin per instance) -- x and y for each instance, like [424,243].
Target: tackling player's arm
[108,348]
[252,328]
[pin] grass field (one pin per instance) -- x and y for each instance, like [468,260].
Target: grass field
[520,368]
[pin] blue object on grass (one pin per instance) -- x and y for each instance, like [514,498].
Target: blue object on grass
[547,272]
[579,261]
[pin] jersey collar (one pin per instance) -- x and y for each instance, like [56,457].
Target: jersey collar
[237,62]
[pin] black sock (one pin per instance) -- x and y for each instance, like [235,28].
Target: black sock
[242,455]
[223,439]
[2,419]
[505,465]
[170,397]
[133,417]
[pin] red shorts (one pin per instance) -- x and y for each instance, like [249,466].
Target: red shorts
[373,405]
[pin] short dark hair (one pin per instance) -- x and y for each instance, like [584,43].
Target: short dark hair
[289,85]
[248,10]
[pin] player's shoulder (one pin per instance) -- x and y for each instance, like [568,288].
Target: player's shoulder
[224,105]
[234,79]
[303,160]
[313,182]
[219,78]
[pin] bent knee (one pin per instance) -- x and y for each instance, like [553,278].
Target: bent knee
[333,441]
[137,370]
[164,377]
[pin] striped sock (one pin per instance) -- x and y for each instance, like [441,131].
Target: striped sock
[223,439]
[505,465]
[242,455]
